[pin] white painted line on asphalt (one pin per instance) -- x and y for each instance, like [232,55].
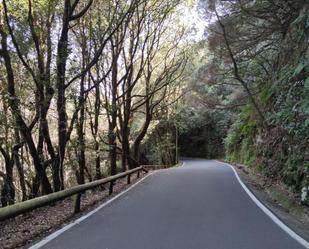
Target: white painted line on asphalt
[79,220]
[274,218]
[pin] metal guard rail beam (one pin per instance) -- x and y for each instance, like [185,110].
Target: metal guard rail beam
[26,206]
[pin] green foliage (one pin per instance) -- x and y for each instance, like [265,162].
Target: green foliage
[239,140]
[203,130]
[293,175]
[159,148]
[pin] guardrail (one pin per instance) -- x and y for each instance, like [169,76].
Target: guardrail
[155,166]
[26,206]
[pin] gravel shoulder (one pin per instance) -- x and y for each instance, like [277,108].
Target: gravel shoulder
[25,230]
[282,202]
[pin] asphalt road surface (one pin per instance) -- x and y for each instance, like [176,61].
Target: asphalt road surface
[198,206]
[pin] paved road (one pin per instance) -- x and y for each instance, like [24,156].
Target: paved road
[198,206]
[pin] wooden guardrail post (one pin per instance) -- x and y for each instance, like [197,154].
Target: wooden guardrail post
[76,203]
[138,174]
[111,185]
[128,179]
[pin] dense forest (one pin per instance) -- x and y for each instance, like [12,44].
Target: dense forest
[93,88]
[251,88]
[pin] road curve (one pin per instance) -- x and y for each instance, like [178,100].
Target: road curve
[198,206]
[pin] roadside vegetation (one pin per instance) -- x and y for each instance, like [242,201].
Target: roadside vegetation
[249,92]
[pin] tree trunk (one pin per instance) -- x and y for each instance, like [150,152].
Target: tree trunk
[113,121]
[20,168]
[81,137]
[62,54]
[24,129]
[96,129]
[8,189]
[139,139]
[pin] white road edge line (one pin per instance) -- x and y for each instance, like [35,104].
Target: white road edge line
[79,220]
[274,218]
